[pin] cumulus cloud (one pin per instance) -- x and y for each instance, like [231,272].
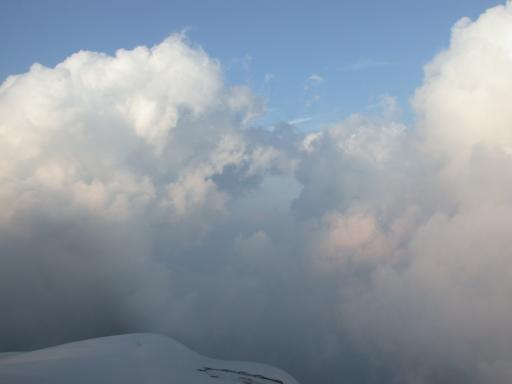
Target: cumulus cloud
[315,79]
[102,158]
[136,195]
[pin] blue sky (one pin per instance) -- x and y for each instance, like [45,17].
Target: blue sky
[356,51]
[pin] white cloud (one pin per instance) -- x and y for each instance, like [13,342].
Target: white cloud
[115,155]
[311,89]
[269,77]
[300,120]
[315,79]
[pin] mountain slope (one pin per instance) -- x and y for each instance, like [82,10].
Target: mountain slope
[130,359]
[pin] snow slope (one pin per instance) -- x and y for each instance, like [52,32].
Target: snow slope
[130,359]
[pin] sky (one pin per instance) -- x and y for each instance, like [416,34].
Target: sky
[361,50]
[323,189]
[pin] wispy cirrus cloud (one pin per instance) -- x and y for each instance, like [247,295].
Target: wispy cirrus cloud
[311,88]
[300,120]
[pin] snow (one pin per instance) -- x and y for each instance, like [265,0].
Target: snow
[130,359]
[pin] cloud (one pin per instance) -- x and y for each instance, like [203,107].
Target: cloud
[104,157]
[136,196]
[311,89]
[269,77]
[300,120]
[315,79]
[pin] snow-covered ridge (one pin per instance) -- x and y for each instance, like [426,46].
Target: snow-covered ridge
[130,359]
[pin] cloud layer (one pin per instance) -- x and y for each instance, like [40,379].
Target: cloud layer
[135,195]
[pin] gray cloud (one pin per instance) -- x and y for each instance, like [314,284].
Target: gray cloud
[136,196]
